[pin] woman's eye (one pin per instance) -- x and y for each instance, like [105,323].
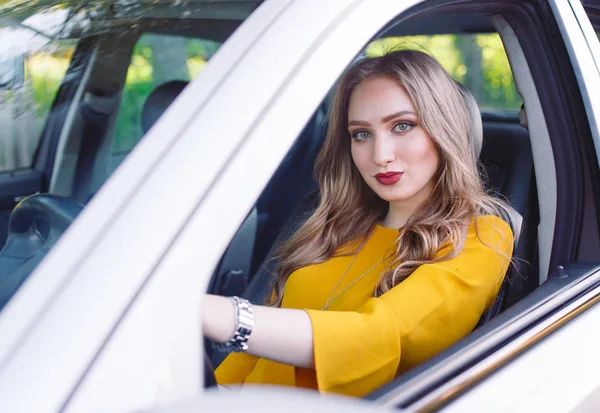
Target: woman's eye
[361,135]
[403,127]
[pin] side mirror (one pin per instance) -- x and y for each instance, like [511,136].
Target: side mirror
[12,72]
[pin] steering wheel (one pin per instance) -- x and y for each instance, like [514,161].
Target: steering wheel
[50,214]
[34,226]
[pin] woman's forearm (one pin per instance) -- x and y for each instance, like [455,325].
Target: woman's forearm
[279,334]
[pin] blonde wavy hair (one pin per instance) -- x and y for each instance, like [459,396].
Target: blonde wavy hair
[348,209]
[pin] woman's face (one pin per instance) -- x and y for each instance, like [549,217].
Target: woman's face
[392,152]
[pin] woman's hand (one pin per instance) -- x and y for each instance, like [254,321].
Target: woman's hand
[279,334]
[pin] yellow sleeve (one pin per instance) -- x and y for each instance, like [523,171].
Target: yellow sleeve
[235,368]
[437,305]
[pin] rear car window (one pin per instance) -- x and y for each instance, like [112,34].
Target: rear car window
[156,60]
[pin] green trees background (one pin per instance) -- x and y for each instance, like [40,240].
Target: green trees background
[156,59]
[477,61]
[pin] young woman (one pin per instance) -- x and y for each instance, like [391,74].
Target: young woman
[401,258]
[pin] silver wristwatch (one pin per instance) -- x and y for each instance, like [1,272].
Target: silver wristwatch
[244,320]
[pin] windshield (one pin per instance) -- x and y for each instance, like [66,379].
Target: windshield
[157,40]
[81,83]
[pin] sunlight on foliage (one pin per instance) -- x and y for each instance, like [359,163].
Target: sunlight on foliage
[139,87]
[478,61]
[46,72]
[195,66]
[141,82]
[441,47]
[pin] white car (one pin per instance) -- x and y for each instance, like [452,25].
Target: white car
[103,271]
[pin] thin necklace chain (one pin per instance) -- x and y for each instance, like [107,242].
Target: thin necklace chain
[330,300]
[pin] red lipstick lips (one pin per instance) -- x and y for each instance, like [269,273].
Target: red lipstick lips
[388,178]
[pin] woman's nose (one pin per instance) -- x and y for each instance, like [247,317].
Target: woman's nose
[383,152]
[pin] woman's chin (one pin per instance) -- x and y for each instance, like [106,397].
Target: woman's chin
[404,192]
[393,196]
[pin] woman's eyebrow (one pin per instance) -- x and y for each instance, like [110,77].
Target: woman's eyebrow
[358,123]
[397,114]
[384,120]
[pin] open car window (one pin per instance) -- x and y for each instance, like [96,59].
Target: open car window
[479,62]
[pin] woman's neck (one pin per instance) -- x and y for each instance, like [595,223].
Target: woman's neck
[396,218]
[400,211]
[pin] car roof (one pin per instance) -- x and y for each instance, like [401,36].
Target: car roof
[443,23]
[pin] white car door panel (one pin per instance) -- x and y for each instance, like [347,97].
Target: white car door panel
[555,375]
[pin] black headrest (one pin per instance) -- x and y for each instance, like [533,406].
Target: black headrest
[159,100]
